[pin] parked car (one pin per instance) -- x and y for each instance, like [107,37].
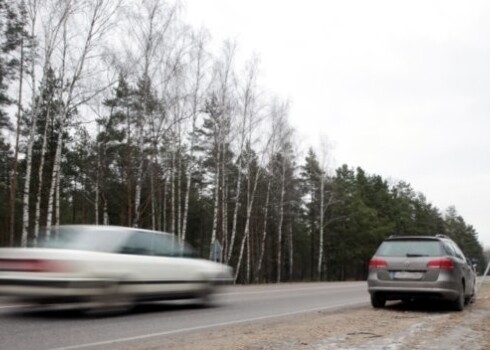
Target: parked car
[413,267]
[107,266]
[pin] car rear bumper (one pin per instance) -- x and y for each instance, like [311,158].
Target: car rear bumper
[59,289]
[392,290]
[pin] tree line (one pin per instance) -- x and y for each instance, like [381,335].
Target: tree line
[119,113]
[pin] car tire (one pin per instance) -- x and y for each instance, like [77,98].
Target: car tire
[110,301]
[459,303]
[207,296]
[471,298]
[378,301]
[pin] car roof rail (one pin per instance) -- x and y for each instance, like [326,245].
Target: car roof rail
[440,235]
[394,235]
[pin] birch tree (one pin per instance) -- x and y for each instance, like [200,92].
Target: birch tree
[198,89]
[56,13]
[284,133]
[250,109]
[221,112]
[96,20]
[49,108]
[150,24]
[247,113]
[324,203]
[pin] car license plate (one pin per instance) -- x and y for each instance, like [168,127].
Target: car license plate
[407,275]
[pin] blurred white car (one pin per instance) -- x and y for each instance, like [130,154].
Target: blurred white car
[108,266]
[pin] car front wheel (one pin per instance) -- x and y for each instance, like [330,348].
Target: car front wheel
[110,300]
[471,298]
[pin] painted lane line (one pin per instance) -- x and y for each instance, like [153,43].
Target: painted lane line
[11,306]
[198,328]
[353,287]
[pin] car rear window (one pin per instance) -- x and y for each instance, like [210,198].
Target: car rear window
[407,248]
[89,238]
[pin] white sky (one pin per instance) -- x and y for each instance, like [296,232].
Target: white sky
[401,88]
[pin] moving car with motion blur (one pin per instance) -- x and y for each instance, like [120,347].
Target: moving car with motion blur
[413,267]
[108,267]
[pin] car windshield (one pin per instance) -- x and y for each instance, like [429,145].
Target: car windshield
[84,238]
[410,248]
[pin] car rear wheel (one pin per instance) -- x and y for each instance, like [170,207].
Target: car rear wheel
[378,301]
[458,304]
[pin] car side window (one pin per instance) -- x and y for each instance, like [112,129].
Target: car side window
[459,253]
[165,245]
[138,243]
[449,249]
[168,245]
[147,243]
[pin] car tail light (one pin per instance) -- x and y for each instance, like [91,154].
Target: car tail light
[378,264]
[32,265]
[443,264]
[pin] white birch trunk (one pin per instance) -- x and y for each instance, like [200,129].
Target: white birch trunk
[57,202]
[137,195]
[37,218]
[27,183]
[30,145]
[105,217]
[291,251]
[248,259]
[249,200]
[246,232]
[30,142]
[97,186]
[322,215]
[139,183]
[54,176]
[264,232]
[279,228]
[187,191]
[216,202]
[172,194]
[187,195]
[224,202]
[235,211]
[179,192]
[153,201]
[96,204]
[164,206]
[129,171]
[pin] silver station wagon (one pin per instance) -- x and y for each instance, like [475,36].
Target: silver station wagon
[412,267]
[108,267]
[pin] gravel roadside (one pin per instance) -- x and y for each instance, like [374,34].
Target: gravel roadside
[426,325]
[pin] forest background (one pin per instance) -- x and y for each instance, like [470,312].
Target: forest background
[119,113]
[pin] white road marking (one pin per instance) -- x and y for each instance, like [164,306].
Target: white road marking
[10,306]
[221,324]
[281,290]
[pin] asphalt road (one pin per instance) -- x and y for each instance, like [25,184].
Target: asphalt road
[25,329]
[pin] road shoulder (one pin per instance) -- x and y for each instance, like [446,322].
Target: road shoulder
[400,326]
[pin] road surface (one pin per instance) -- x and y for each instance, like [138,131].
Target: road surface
[26,329]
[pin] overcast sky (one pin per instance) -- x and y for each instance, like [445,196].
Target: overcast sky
[401,89]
